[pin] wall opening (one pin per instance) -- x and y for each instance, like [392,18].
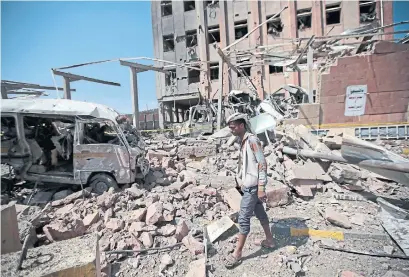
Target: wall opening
[333,14]
[191,38]
[212,3]
[168,43]
[247,71]
[214,34]
[166,7]
[240,29]
[193,76]
[304,17]
[274,27]
[170,78]
[214,71]
[189,5]
[367,11]
[275,69]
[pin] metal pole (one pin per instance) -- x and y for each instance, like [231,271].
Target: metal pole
[219,102]
[310,67]
[134,96]
[67,88]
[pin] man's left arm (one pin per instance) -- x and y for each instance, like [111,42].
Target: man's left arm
[257,149]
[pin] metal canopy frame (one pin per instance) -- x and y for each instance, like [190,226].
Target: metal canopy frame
[69,77]
[136,68]
[13,87]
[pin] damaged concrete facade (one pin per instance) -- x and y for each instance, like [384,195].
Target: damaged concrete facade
[185,32]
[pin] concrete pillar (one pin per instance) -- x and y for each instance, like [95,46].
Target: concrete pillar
[205,87]
[317,17]
[67,88]
[256,40]
[225,82]
[4,92]
[180,114]
[134,96]
[161,112]
[292,9]
[168,112]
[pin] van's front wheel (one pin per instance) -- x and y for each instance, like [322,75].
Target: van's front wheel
[101,183]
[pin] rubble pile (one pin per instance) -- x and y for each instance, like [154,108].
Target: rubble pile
[191,184]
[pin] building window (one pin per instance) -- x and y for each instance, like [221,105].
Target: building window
[275,26]
[240,29]
[304,19]
[166,7]
[214,71]
[191,38]
[193,76]
[247,71]
[168,43]
[367,11]
[333,14]
[189,5]
[170,77]
[214,34]
[212,3]
[275,69]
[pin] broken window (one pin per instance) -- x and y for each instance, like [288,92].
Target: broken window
[275,26]
[193,76]
[246,69]
[304,19]
[168,43]
[8,128]
[51,142]
[100,133]
[212,3]
[214,71]
[333,14]
[240,29]
[214,34]
[367,11]
[275,69]
[189,5]
[170,77]
[191,38]
[166,7]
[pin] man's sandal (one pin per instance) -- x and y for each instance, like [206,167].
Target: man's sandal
[265,244]
[232,261]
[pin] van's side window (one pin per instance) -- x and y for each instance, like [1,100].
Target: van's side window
[100,133]
[8,128]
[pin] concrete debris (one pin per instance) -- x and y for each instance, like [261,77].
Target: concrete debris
[337,219]
[197,268]
[191,184]
[195,247]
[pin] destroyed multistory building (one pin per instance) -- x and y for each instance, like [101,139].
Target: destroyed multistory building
[174,26]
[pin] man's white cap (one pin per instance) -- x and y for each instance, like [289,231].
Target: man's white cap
[237,116]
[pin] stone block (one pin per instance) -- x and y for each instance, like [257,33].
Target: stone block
[58,230]
[233,198]
[10,241]
[278,196]
[74,257]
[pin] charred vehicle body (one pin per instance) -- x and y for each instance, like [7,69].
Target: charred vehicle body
[60,141]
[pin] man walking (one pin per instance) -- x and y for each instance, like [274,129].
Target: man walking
[252,178]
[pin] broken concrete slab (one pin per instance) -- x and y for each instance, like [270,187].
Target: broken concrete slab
[72,197]
[278,196]
[154,213]
[74,257]
[397,228]
[197,268]
[195,247]
[203,150]
[158,154]
[337,219]
[310,171]
[90,219]
[115,224]
[63,211]
[233,198]
[10,241]
[218,228]
[182,230]
[136,215]
[58,230]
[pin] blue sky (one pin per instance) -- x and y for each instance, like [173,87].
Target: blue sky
[38,36]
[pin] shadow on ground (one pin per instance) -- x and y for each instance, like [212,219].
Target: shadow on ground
[281,230]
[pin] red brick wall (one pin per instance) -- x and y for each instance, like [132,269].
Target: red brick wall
[386,72]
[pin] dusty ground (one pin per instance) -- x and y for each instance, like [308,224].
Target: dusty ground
[300,214]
